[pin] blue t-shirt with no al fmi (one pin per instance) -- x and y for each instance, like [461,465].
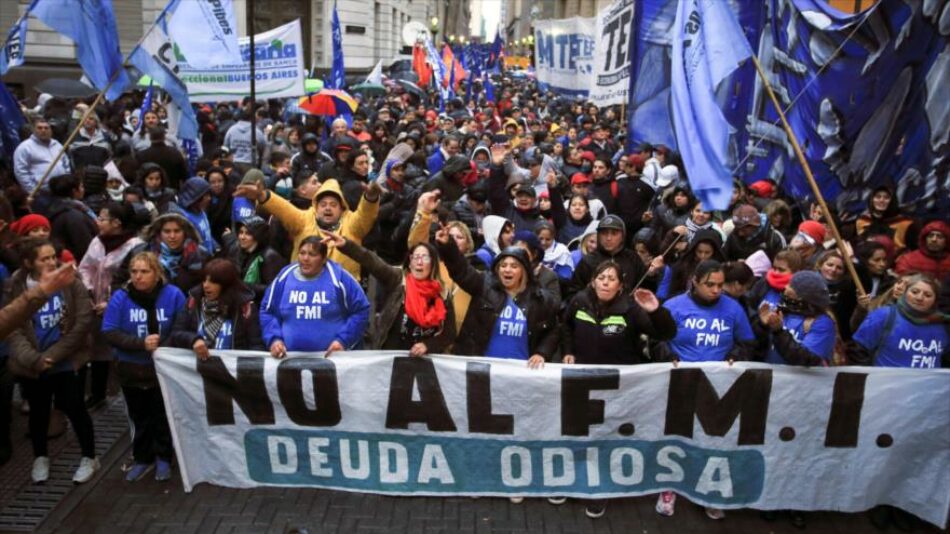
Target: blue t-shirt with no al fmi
[906,344]
[46,326]
[707,333]
[509,335]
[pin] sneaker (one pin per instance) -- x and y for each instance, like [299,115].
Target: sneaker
[87,468]
[516,500]
[40,469]
[557,501]
[715,514]
[596,509]
[138,472]
[163,470]
[666,504]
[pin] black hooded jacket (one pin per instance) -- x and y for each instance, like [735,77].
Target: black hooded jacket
[488,301]
[309,161]
[272,261]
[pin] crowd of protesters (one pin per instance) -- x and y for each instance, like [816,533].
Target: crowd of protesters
[517,229]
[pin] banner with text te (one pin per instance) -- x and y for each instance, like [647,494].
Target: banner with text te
[745,436]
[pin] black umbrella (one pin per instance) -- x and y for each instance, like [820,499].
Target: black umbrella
[411,88]
[65,88]
[407,75]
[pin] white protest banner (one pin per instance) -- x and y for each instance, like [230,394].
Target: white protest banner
[279,69]
[610,78]
[748,435]
[563,52]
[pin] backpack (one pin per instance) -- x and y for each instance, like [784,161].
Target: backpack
[839,354]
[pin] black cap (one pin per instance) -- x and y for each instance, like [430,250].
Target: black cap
[526,188]
[517,253]
[612,222]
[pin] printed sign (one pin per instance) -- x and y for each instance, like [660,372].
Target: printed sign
[611,76]
[563,55]
[278,70]
[748,435]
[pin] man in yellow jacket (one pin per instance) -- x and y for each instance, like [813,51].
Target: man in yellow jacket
[329,211]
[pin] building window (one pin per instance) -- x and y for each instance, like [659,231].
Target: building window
[356,29]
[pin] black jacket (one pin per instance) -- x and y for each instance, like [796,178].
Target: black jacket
[169,159]
[72,227]
[766,238]
[523,220]
[610,335]
[238,306]
[272,263]
[488,301]
[630,263]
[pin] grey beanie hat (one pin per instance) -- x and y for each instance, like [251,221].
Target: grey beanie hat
[810,287]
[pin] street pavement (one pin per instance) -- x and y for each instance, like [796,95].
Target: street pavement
[108,504]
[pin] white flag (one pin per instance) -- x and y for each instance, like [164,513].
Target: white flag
[376,76]
[205,32]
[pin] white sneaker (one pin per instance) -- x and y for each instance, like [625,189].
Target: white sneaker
[715,514]
[557,501]
[516,500]
[40,469]
[666,504]
[87,468]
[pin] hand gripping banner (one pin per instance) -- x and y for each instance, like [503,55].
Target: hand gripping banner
[745,436]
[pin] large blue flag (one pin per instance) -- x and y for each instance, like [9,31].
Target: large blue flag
[862,93]
[11,120]
[708,45]
[154,57]
[338,74]
[91,25]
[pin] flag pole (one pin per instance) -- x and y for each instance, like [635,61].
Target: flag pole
[811,180]
[69,140]
[91,109]
[250,33]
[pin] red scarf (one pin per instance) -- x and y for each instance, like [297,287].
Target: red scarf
[777,280]
[424,303]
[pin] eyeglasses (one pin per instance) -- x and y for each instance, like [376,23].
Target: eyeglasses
[420,257]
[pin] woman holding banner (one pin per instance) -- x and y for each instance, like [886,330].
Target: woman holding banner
[603,326]
[712,327]
[417,315]
[313,305]
[137,321]
[219,314]
[911,333]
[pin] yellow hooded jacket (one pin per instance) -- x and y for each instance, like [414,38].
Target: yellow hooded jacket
[301,224]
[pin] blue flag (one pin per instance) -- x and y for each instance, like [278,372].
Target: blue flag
[338,74]
[11,120]
[12,54]
[489,89]
[190,147]
[91,25]
[154,57]
[146,104]
[708,46]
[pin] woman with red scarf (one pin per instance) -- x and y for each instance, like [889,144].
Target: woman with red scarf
[770,287]
[416,315]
